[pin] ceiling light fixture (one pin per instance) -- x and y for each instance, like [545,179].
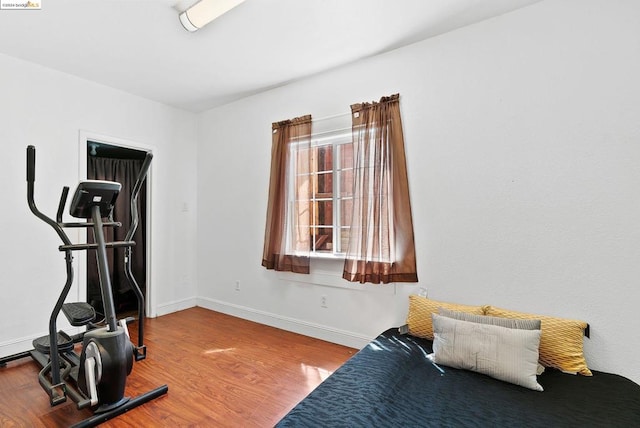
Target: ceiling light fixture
[205,11]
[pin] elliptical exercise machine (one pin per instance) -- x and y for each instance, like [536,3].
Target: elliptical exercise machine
[96,378]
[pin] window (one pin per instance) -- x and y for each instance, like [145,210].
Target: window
[330,177]
[333,197]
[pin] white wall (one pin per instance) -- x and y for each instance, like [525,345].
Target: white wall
[523,143]
[47,109]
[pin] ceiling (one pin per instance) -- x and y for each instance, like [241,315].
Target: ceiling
[140,47]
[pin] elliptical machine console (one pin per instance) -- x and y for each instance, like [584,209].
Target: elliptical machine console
[96,378]
[90,193]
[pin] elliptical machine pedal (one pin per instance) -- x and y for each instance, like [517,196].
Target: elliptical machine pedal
[79,313]
[43,344]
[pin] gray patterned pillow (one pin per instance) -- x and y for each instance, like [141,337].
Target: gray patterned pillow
[503,353]
[529,324]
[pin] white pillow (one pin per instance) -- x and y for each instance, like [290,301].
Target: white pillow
[503,353]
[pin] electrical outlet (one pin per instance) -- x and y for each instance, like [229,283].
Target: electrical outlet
[238,285]
[323,301]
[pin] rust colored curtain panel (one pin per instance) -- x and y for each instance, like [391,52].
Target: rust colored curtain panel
[381,244]
[287,241]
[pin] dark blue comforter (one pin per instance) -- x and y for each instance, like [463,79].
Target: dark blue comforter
[391,383]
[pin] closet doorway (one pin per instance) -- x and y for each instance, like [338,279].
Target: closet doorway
[122,164]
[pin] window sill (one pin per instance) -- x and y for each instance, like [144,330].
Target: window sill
[325,269]
[327,272]
[327,256]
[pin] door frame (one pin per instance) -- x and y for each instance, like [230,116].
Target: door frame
[83,139]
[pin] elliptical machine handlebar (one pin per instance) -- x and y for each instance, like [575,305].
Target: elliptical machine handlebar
[58,224]
[61,205]
[141,349]
[31,164]
[144,169]
[31,178]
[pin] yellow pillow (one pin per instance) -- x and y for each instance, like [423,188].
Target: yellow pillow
[421,308]
[560,343]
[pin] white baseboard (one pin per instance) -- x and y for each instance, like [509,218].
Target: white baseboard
[16,346]
[322,332]
[175,306]
[329,334]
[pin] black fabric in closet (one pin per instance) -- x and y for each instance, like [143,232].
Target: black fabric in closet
[125,172]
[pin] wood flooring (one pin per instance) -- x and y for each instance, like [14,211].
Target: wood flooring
[221,371]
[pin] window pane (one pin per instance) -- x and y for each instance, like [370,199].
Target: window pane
[323,158]
[301,160]
[346,183]
[298,241]
[346,155]
[301,213]
[324,239]
[344,239]
[323,212]
[301,187]
[324,187]
[346,211]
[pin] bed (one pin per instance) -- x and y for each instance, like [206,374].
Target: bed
[393,383]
